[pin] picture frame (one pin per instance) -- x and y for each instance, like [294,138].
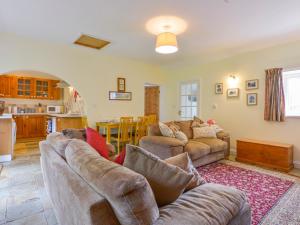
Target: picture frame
[219,88]
[252,84]
[233,92]
[251,99]
[120,96]
[121,84]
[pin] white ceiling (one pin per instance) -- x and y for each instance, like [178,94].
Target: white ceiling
[216,28]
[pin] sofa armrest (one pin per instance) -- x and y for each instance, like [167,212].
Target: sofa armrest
[163,147]
[225,136]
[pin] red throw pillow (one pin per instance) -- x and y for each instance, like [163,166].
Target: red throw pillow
[121,157]
[97,142]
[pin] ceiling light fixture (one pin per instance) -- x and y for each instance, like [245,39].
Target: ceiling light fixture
[166,28]
[166,43]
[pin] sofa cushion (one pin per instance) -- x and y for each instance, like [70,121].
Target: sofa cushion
[153,130]
[167,181]
[59,142]
[181,136]
[97,142]
[215,144]
[185,127]
[205,131]
[128,193]
[196,149]
[208,204]
[166,130]
[184,162]
[222,134]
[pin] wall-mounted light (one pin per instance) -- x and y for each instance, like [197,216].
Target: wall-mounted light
[233,81]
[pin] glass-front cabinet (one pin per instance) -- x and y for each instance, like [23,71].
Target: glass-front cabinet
[42,88]
[24,87]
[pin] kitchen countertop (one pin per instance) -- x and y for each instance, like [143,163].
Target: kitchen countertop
[6,116]
[65,115]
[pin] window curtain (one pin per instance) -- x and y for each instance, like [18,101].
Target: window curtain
[274,96]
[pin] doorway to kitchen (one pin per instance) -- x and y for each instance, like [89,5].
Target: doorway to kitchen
[152,96]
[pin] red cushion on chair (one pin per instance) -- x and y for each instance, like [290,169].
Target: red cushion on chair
[97,142]
[121,157]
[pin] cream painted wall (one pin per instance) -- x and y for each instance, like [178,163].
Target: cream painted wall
[233,114]
[91,72]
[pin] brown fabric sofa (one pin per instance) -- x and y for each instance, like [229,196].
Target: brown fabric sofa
[202,151]
[87,189]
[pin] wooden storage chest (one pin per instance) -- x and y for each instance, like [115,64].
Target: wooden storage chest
[264,153]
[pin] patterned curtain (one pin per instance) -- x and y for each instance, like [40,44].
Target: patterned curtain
[274,96]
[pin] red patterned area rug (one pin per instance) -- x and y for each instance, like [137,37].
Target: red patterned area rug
[264,190]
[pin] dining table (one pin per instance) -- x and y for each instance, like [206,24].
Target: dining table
[108,127]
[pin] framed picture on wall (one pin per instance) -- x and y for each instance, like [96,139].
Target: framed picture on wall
[251,99]
[219,88]
[233,92]
[121,96]
[251,84]
[121,84]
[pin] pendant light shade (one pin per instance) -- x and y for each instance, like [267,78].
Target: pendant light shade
[166,43]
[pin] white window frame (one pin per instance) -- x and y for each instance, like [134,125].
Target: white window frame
[197,94]
[285,76]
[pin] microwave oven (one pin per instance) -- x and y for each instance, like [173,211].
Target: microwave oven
[54,109]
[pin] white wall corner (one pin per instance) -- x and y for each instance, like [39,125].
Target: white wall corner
[297,164]
[232,151]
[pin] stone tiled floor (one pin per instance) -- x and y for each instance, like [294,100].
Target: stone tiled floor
[23,198]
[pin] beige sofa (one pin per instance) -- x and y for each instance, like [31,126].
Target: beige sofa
[87,189]
[202,151]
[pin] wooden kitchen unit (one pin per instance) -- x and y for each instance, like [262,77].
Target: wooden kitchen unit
[6,137]
[273,155]
[65,122]
[30,126]
[29,87]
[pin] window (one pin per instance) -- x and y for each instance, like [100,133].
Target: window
[291,83]
[189,92]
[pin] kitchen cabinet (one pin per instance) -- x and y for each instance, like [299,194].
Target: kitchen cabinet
[55,92]
[41,88]
[6,86]
[29,88]
[69,122]
[30,126]
[24,87]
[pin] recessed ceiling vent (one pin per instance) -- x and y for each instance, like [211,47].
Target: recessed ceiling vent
[91,42]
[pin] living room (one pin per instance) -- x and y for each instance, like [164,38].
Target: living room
[225,52]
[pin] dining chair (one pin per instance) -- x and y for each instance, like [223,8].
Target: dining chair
[124,132]
[140,128]
[152,119]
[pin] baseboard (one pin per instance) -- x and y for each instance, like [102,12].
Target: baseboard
[296,163]
[5,158]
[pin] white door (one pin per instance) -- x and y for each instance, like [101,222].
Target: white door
[189,100]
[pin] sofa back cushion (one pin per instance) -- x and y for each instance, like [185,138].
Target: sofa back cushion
[167,181]
[59,142]
[185,127]
[128,193]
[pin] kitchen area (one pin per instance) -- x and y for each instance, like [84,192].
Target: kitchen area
[33,105]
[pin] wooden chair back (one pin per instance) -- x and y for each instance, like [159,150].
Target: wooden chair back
[125,129]
[141,128]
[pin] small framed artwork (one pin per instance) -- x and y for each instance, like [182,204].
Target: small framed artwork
[219,88]
[252,99]
[233,92]
[121,84]
[251,84]
[121,96]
